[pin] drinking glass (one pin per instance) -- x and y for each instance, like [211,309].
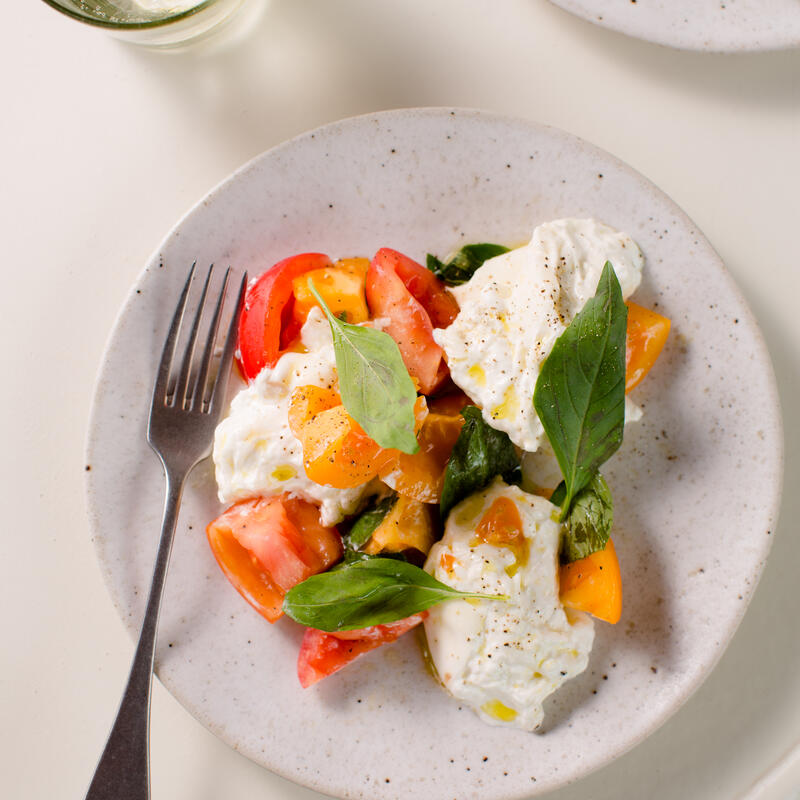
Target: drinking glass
[156,23]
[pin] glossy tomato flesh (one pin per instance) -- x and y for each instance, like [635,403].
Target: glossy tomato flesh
[426,288]
[267,545]
[322,654]
[409,323]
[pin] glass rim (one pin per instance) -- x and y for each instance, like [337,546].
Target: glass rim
[153,23]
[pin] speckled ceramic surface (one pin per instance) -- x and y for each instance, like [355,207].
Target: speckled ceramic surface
[696,484]
[717,26]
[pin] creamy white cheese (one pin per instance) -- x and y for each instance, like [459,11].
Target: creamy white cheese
[503,658]
[515,307]
[255,451]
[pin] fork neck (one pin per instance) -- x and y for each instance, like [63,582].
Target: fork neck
[177,465]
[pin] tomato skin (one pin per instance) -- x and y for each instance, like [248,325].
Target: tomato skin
[267,308]
[245,572]
[426,288]
[269,544]
[322,654]
[409,323]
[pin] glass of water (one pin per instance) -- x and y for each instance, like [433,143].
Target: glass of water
[157,23]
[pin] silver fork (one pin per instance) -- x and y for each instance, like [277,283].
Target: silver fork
[187,402]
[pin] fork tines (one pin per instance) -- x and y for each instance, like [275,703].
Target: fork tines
[190,384]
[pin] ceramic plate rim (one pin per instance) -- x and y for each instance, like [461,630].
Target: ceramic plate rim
[680,39]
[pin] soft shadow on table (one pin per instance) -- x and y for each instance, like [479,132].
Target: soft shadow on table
[353,63]
[304,64]
[761,81]
[250,94]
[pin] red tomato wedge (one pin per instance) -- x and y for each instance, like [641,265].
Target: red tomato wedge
[410,323]
[267,545]
[267,312]
[426,288]
[322,654]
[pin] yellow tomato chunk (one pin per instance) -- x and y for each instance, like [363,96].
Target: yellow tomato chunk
[341,286]
[408,526]
[336,450]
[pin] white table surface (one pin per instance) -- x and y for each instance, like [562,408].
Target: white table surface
[104,145]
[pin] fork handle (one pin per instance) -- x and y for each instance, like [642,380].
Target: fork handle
[123,772]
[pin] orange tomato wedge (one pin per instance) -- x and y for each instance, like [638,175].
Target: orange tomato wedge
[450,404]
[336,450]
[647,332]
[420,476]
[594,584]
[307,402]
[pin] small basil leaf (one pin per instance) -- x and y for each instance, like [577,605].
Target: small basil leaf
[374,383]
[480,453]
[580,392]
[463,264]
[364,526]
[374,591]
[588,524]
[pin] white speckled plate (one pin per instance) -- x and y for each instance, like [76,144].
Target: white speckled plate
[692,541]
[716,26]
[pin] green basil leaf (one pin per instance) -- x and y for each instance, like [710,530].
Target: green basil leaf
[364,526]
[351,556]
[587,525]
[374,591]
[580,392]
[463,264]
[559,493]
[480,453]
[374,383]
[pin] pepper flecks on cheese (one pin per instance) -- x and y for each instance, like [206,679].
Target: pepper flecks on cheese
[255,451]
[504,657]
[517,304]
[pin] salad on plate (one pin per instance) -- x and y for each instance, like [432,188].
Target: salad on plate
[421,446]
